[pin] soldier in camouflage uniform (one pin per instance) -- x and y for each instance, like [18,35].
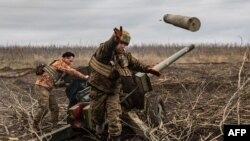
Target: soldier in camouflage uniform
[46,81]
[110,63]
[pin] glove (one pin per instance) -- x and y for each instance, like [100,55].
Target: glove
[118,33]
[152,71]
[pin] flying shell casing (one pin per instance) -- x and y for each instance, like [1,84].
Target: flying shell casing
[189,23]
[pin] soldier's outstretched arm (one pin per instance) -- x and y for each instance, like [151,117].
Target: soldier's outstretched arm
[106,49]
[135,64]
[69,70]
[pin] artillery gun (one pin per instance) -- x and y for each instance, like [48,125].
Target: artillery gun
[136,97]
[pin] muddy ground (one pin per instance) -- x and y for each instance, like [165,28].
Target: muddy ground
[198,98]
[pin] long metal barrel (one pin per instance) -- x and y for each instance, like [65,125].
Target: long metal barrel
[173,58]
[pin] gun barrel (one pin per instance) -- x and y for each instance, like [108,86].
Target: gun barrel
[173,58]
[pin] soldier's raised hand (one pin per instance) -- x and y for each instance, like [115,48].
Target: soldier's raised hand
[118,33]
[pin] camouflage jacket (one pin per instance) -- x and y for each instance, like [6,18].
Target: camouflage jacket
[105,54]
[45,79]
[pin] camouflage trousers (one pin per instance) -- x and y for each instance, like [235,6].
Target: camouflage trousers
[46,102]
[106,107]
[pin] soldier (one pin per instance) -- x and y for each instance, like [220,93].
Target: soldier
[46,81]
[110,63]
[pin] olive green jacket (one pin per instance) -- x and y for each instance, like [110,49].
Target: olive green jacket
[104,54]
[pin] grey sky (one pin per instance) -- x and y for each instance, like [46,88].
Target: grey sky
[89,22]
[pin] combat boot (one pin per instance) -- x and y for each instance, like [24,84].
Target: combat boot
[115,138]
[54,119]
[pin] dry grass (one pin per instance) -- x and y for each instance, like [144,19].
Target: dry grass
[199,102]
[205,89]
[18,103]
[28,56]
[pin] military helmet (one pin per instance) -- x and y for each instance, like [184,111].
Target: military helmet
[125,38]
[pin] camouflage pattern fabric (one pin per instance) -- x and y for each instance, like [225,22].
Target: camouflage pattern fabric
[105,92]
[47,81]
[46,102]
[104,54]
[102,103]
[125,37]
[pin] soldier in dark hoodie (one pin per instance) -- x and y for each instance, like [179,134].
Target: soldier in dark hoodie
[110,63]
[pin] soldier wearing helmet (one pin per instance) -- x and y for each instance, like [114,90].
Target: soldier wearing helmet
[110,65]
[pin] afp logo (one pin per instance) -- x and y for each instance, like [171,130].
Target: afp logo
[233,132]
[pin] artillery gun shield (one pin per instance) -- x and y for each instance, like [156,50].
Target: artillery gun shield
[143,82]
[128,84]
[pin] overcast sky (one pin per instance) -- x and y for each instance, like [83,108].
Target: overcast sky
[89,22]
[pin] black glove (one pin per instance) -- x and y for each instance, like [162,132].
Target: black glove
[118,33]
[152,71]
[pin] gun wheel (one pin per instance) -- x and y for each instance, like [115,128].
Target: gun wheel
[155,110]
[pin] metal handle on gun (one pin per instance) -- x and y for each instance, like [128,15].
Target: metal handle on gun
[129,94]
